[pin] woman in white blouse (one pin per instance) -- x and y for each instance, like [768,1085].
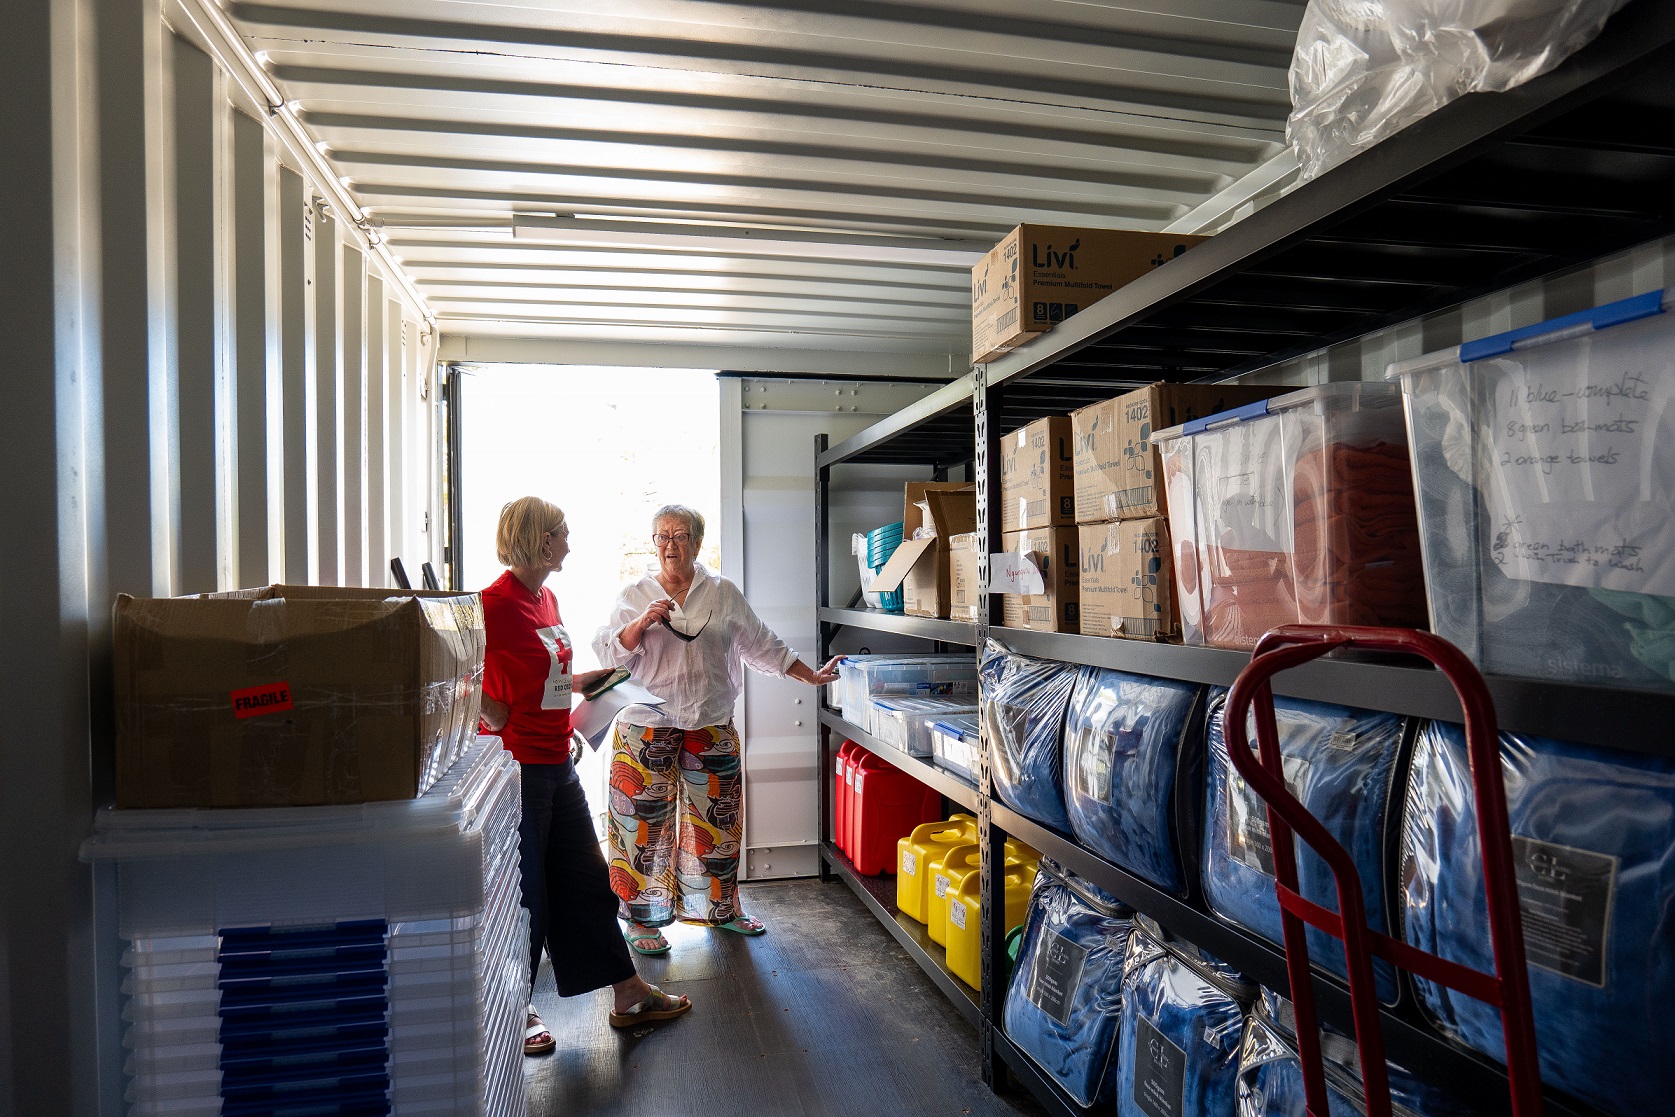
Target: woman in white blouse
[677,811]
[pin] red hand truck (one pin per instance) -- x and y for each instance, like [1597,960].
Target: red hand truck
[1291,646]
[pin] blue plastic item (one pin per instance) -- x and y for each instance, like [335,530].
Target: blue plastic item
[1064,1003]
[1593,843]
[1183,1016]
[1132,759]
[1344,766]
[1270,1082]
[881,544]
[1024,703]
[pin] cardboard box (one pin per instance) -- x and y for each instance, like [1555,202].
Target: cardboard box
[1057,610]
[1118,472]
[1037,481]
[963,578]
[1128,580]
[920,566]
[1039,275]
[292,695]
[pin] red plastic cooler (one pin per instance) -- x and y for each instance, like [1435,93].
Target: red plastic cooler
[884,807]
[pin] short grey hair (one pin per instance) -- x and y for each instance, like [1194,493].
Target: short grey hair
[694,521]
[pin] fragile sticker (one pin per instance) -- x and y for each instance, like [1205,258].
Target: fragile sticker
[253,701]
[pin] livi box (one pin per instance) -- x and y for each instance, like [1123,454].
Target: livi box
[1036,482]
[1128,580]
[1058,609]
[292,695]
[1117,471]
[1042,274]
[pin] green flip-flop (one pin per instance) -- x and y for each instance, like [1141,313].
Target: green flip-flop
[638,935]
[745,925]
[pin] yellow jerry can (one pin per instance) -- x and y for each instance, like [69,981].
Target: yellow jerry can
[953,866]
[965,916]
[914,854]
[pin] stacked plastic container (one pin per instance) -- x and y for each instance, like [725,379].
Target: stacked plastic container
[1294,510]
[907,723]
[862,678]
[872,550]
[956,745]
[355,960]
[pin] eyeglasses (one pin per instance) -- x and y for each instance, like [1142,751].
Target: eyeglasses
[663,540]
[686,636]
[561,529]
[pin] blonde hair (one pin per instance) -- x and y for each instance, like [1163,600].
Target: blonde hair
[523,522]
[694,521]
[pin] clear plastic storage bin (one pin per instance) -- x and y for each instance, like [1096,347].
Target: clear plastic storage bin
[956,744]
[906,723]
[365,959]
[1294,510]
[861,678]
[1545,465]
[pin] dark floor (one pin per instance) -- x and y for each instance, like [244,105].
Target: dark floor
[824,1016]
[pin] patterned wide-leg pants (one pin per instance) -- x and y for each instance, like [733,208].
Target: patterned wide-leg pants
[677,821]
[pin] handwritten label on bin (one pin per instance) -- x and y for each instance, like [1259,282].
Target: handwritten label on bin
[254,701]
[1576,464]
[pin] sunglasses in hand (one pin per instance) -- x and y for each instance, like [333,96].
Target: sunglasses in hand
[664,621]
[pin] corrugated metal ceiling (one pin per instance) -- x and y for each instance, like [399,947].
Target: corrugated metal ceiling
[786,173]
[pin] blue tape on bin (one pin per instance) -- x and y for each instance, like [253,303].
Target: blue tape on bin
[1024,704]
[1594,849]
[1183,1016]
[1064,1004]
[1342,764]
[1131,759]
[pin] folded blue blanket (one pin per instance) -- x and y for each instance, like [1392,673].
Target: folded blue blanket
[1594,851]
[1340,763]
[1024,703]
[1064,1004]
[1132,756]
[1183,1016]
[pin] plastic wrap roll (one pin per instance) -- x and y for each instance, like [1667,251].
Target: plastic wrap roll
[1593,837]
[1024,705]
[1132,759]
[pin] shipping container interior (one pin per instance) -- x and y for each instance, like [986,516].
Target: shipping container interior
[264,259]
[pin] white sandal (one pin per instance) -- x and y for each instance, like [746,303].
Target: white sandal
[532,1033]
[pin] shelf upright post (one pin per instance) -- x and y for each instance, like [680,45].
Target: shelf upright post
[823,640]
[991,839]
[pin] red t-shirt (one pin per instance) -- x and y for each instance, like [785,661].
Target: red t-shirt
[527,667]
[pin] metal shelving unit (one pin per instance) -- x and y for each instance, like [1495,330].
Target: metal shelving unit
[1490,191]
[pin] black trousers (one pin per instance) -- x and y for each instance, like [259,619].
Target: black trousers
[566,885]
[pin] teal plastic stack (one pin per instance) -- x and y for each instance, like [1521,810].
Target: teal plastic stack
[881,544]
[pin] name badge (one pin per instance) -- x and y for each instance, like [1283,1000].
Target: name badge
[556,694]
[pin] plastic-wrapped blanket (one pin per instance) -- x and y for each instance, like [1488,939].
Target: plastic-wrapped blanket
[1024,704]
[1064,1003]
[1270,1082]
[1183,1016]
[1343,765]
[1132,758]
[1365,69]
[1593,836]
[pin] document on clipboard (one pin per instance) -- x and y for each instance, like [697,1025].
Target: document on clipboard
[593,717]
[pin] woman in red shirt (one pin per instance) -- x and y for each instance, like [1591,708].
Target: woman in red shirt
[526,700]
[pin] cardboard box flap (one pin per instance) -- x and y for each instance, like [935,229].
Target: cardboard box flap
[900,563]
[914,493]
[953,512]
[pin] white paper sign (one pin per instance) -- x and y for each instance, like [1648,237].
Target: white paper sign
[1580,459]
[1010,572]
